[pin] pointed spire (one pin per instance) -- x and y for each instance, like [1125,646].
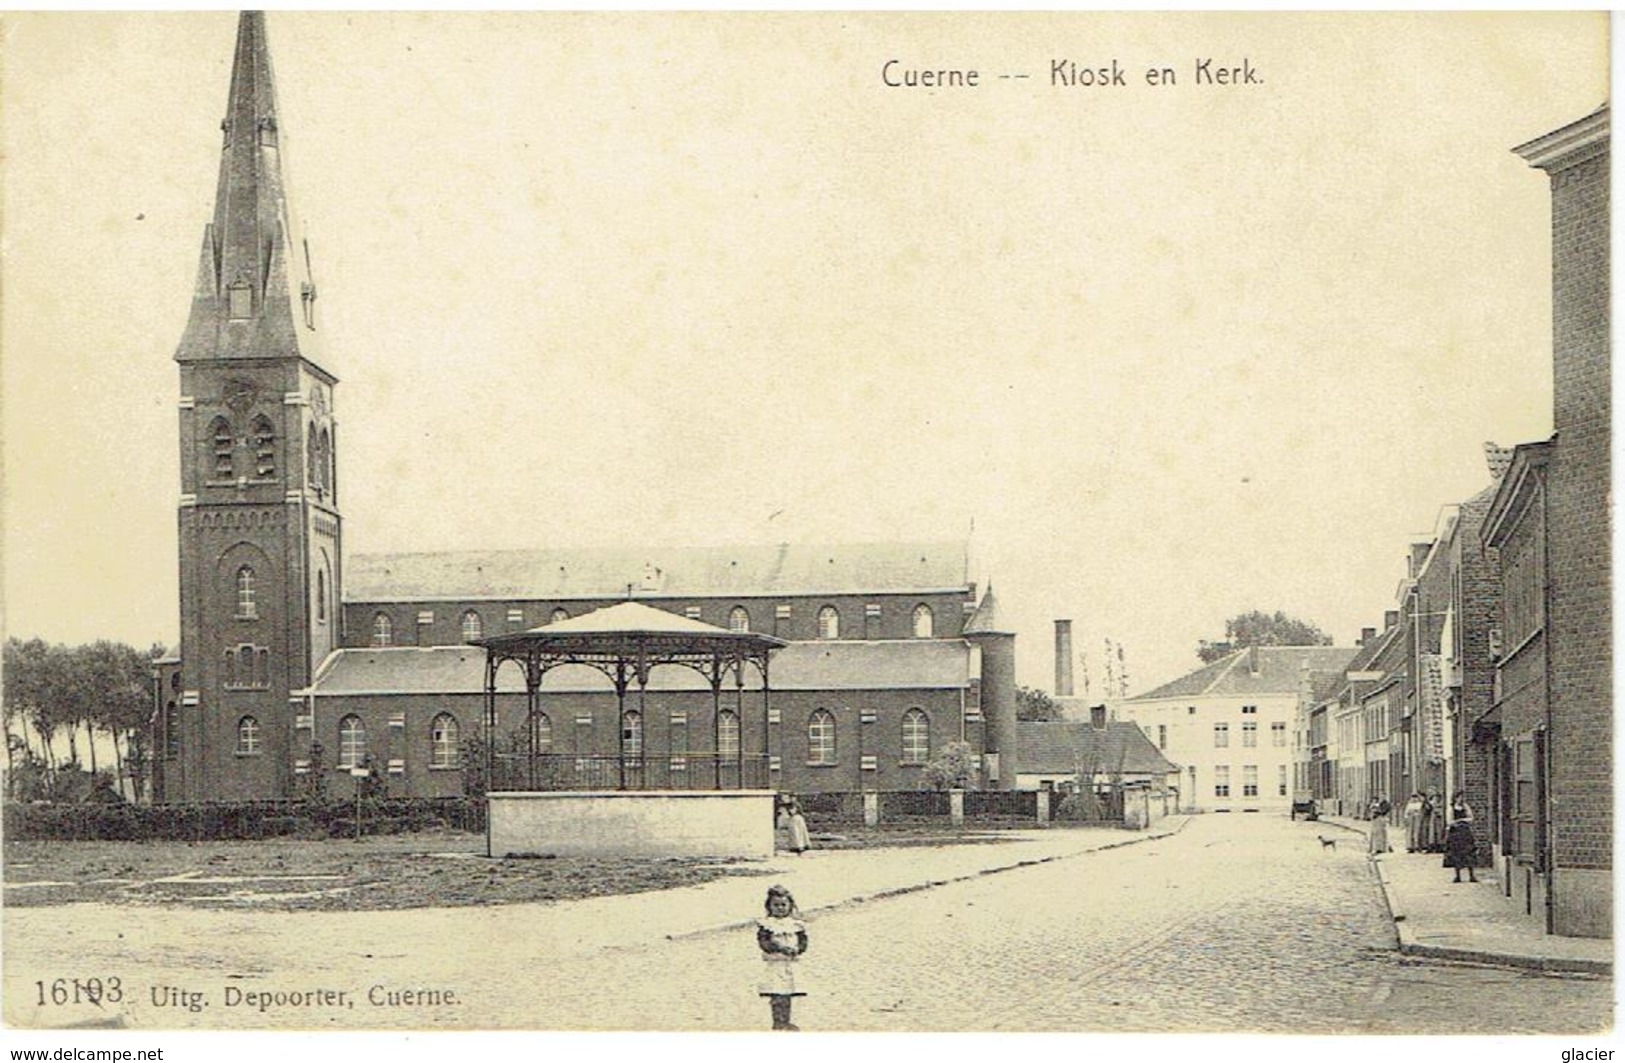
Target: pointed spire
[254,296]
[986,620]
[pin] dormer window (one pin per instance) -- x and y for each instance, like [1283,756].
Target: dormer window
[240,301]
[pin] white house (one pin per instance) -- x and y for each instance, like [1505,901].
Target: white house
[1229,723]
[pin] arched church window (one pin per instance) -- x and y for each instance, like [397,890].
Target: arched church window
[248,737]
[321,596]
[172,732]
[352,742]
[821,738]
[916,737]
[473,628]
[443,734]
[313,474]
[738,619]
[541,733]
[246,607]
[728,733]
[924,622]
[383,631]
[264,447]
[558,614]
[632,734]
[220,432]
[829,623]
[326,451]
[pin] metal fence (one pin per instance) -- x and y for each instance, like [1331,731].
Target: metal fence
[1001,803]
[667,771]
[896,803]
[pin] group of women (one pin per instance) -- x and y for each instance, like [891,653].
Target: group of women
[1430,829]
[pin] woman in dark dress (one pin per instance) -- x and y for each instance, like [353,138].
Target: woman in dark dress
[1458,838]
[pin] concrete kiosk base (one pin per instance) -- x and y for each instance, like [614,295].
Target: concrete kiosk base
[737,823]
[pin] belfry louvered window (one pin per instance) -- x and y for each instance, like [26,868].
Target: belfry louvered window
[220,431]
[264,448]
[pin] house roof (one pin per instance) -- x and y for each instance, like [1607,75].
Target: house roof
[1279,671]
[1325,685]
[660,572]
[904,664]
[1056,747]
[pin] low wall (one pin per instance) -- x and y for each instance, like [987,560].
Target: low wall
[735,823]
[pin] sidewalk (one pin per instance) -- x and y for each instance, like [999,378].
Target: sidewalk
[1469,922]
[825,879]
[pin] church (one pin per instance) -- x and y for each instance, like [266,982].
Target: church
[300,665]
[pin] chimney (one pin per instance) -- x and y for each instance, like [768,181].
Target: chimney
[1389,619]
[1367,634]
[1063,658]
[1498,458]
[1097,716]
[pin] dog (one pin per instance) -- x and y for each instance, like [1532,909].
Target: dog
[1327,843]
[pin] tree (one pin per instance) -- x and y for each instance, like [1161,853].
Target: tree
[24,687]
[1257,628]
[953,769]
[119,682]
[1034,704]
[49,689]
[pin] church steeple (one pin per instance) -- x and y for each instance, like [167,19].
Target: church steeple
[259,526]
[255,297]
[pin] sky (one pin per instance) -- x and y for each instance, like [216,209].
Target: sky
[1161,353]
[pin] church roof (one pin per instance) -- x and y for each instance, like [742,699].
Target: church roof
[1055,747]
[906,664]
[1279,670]
[255,297]
[762,570]
[986,620]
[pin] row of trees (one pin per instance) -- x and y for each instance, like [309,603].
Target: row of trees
[53,691]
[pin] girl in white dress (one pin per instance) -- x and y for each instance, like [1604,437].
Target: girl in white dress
[782,937]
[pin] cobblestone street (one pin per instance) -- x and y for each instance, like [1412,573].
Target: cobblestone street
[1234,923]
[1239,923]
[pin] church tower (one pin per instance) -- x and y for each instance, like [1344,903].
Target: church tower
[259,515]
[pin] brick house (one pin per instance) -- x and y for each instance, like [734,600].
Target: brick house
[1552,785]
[297,658]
